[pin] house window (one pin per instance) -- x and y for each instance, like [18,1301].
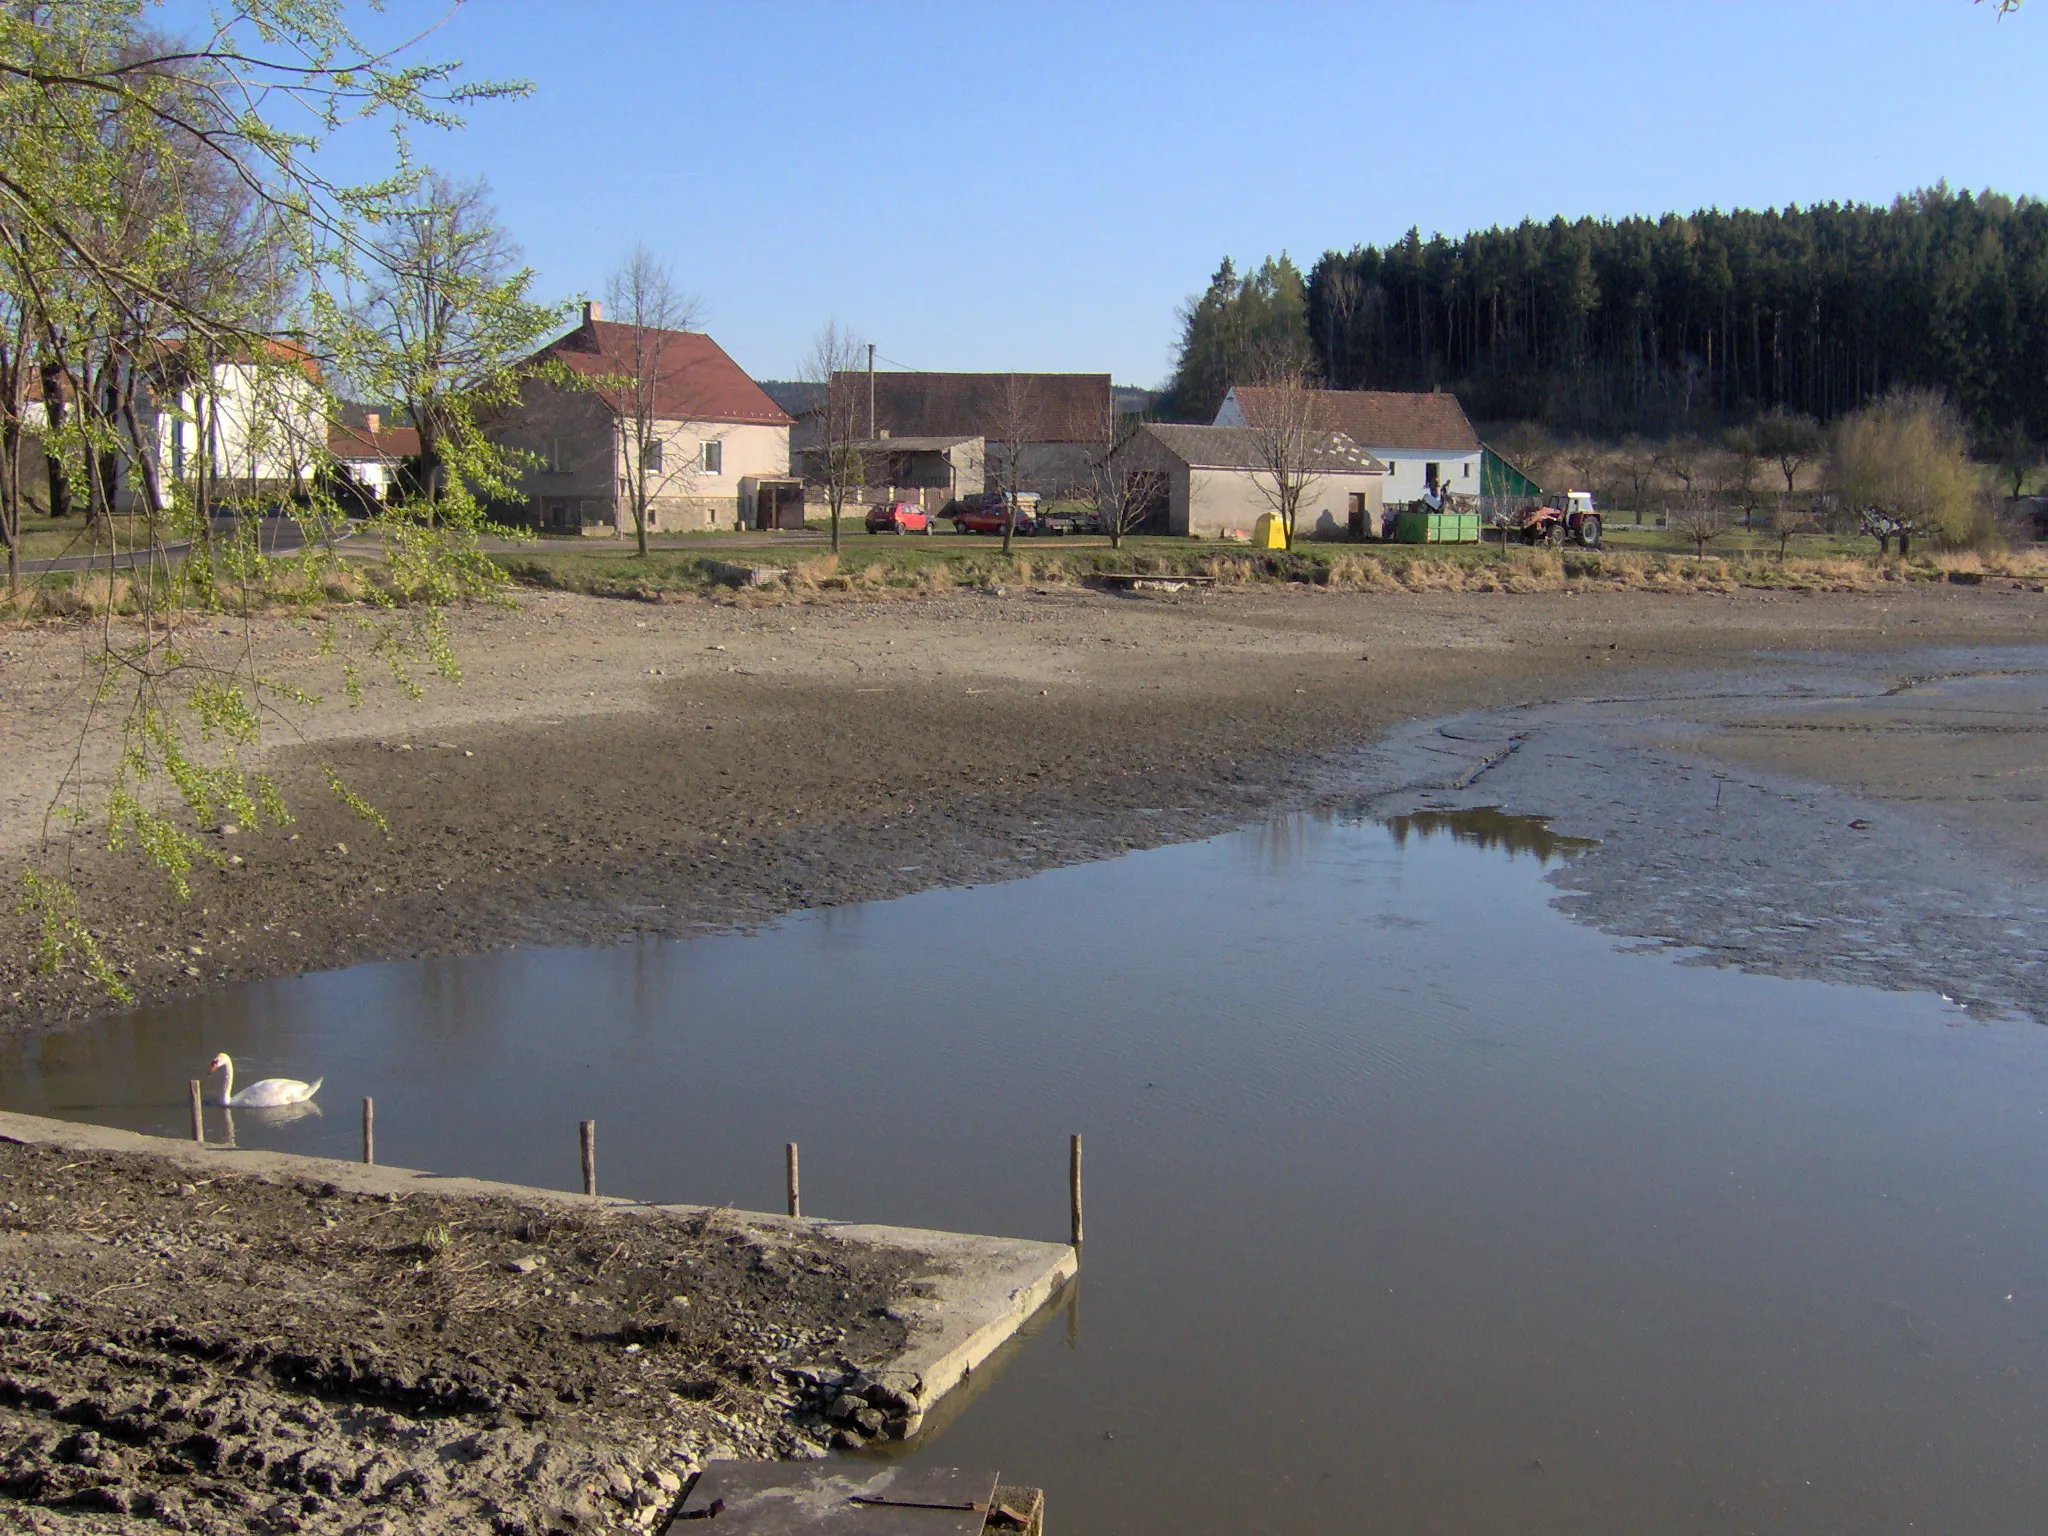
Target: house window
[652,457]
[1392,466]
[558,455]
[714,458]
[1468,469]
[1429,474]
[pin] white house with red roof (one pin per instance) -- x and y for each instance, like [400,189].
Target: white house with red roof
[1423,437]
[718,438]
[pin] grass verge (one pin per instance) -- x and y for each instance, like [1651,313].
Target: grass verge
[913,566]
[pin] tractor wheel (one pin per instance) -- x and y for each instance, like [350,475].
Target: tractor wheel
[1589,532]
[1554,535]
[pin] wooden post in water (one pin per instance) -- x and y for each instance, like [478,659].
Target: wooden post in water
[198,1114]
[586,1131]
[369,1129]
[796,1204]
[1074,1183]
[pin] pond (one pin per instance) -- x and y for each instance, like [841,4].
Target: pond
[1413,1206]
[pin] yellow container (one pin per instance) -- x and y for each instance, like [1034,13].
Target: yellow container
[1269,532]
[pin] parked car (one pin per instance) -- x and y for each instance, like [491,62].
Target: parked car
[986,513]
[898,517]
[1073,520]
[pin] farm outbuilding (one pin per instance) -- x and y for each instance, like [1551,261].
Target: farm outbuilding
[1206,482]
[1422,437]
[930,471]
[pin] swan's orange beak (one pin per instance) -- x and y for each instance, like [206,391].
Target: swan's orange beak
[217,1063]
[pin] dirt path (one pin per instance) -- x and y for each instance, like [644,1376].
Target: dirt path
[610,767]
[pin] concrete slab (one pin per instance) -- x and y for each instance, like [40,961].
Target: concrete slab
[839,1498]
[981,1290]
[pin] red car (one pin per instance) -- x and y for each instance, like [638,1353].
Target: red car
[988,515]
[899,517]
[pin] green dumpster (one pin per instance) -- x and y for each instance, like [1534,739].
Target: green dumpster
[1436,527]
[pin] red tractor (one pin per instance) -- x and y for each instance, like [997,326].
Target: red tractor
[1575,522]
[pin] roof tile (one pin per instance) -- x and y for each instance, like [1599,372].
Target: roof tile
[1066,407]
[695,378]
[1381,418]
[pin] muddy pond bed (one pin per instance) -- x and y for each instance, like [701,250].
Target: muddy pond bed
[1414,1205]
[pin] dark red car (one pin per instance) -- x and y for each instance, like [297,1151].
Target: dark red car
[986,514]
[899,517]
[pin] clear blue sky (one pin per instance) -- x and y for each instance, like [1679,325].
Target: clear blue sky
[1037,186]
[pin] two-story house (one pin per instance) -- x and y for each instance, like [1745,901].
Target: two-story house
[254,425]
[717,438]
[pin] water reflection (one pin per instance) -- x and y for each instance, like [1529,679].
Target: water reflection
[1488,826]
[1391,1215]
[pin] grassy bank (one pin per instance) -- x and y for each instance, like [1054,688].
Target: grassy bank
[909,566]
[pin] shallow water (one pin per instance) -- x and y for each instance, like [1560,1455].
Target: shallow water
[1412,1206]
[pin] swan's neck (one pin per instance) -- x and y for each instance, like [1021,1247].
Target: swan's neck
[227,1082]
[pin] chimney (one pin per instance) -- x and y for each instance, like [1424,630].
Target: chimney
[370,421]
[592,310]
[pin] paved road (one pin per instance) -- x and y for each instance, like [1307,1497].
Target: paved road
[278,536]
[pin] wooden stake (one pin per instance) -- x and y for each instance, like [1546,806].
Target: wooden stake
[369,1129]
[198,1114]
[1074,1183]
[796,1204]
[586,1131]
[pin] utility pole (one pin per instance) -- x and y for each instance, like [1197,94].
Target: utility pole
[871,392]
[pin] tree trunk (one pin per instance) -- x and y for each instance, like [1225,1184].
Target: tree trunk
[53,417]
[145,460]
[1905,542]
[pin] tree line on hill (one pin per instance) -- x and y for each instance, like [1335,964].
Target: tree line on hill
[1686,322]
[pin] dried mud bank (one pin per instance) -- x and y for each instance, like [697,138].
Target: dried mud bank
[221,1342]
[1875,820]
[611,768]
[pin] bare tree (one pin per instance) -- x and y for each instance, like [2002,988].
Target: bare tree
[1014,422]
[1739,466]
[1789,439]
[1699,518]
[1530,448]
[1123,492]
[1787,520]
[2017,455]
[1638,466]
[643,366]
[1290,446]
[1586,457]
[1679,458]
[837,465]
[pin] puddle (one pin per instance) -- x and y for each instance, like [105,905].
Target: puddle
[1412,1205]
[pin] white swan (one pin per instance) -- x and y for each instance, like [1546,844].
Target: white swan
[267,1094]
